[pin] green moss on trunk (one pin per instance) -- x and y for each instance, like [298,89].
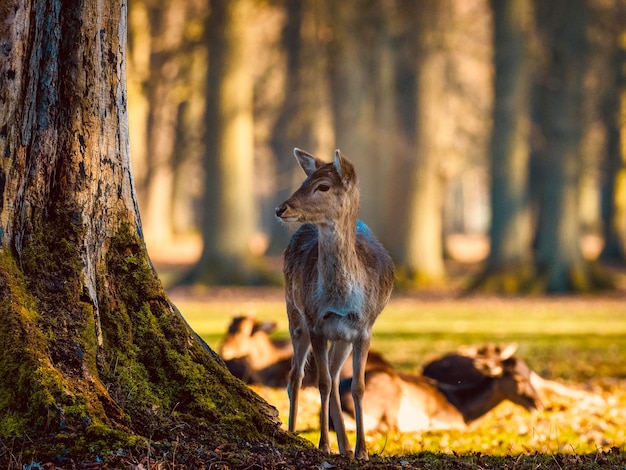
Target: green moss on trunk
[150,377]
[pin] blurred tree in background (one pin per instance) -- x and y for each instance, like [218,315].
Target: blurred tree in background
[230,218]
[166,82]
[483,118]
[509,263]
[559,260]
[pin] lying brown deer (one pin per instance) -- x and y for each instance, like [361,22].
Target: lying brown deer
[469,386]
[254,357]
[251,355]
[455,368]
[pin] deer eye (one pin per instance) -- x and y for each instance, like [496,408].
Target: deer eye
[323,188]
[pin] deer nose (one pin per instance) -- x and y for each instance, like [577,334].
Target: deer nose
[280,210]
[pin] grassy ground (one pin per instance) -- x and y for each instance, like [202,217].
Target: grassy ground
[580,342]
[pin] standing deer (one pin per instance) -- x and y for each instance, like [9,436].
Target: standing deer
[338,278]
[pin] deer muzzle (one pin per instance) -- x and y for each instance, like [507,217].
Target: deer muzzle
[286,213]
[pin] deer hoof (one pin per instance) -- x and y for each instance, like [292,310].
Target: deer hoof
[361,454]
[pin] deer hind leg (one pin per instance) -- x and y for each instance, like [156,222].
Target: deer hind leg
[301,345]
[339,352]
[359,359]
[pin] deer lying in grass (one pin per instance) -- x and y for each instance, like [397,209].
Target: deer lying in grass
[251,355]
[457,367]
[338,278]
[254,357]
[468,387]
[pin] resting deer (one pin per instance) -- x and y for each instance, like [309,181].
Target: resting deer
[251,355]
[338,278]
[254,357]
[456,368]
[468,387]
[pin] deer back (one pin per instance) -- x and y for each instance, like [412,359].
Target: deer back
[405,403]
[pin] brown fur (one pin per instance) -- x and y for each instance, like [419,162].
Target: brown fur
[338,278]
[454,391]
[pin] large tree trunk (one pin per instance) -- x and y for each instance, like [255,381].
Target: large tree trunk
[559,259]
[509,265]
[92,349]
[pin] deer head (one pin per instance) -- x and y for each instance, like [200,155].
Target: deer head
[240,339]
[513,374]
[329,192]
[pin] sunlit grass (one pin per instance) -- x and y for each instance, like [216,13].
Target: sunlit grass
[578,341]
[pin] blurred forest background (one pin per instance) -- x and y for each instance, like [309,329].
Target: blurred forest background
[496,120]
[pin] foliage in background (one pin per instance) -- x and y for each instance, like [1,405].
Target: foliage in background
[415,110]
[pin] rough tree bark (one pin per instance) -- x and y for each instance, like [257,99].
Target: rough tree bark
[94,355]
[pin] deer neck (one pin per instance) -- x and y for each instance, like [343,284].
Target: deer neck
[474,401]
[338,264]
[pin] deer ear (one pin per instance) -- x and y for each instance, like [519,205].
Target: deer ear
[307,161]
[266,326]
[245,325]
[507,350]
[344,168]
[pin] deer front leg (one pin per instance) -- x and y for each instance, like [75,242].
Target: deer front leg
[339,352]
[320,354]
[301,342]
[359,358]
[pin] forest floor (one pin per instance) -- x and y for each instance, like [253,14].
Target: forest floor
[578,341]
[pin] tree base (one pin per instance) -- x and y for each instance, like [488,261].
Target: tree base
[514,280]
[588,277]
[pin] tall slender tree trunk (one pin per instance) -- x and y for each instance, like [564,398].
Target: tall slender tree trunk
[614,189]
[352,75]
[162,52]
[230,209]
[422,244]
[305,120]
[167,28]
[93,353]
[559,258]
[508,266]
